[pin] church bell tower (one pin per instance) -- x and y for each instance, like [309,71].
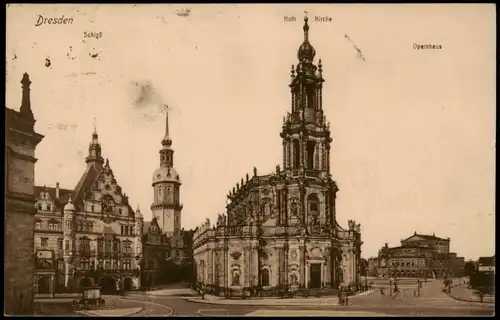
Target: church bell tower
[166,205]
[305,133]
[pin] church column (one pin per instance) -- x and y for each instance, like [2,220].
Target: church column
[210,266]
[225,257]
[306,274]
[246,265]
[302,265]
[320,104]
[322,274]
[323,157]
[278,263]
[316,156]
[289,153]
[284,206]
[333,266]
[302,203]
[285,277]
[304,153]
[285,160]
[327,206]
[328,158]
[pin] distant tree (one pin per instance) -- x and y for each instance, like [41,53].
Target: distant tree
[469,268]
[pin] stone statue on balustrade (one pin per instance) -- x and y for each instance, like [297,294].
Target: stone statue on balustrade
[351,224]
[358,227]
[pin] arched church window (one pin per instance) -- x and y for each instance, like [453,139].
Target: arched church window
[265,277]
[311,146]
[159,193]
[313,204]
[296,154]
[310,98]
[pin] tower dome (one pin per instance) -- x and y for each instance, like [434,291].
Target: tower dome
[138,214]
[166,174]
[69,206]
[306,50]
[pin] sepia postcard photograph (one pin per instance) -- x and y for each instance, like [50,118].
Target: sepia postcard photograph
[250,160]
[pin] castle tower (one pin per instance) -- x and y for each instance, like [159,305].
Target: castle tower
[95,152]
[69,238]
[166,205]
[305,133]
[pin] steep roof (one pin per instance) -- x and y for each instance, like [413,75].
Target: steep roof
[63,194]
[86,181]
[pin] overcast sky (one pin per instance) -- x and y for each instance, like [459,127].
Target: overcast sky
[414,130]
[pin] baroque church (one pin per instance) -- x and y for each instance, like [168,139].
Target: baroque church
[281,229]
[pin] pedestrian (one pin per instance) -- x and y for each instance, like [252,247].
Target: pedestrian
[118,287]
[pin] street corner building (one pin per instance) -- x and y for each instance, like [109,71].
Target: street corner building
[281,230]
[21,141]
[87,235]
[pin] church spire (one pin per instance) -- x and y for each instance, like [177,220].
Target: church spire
[306,51]
[306,150]
[166,152]
[306,30]
[167,141]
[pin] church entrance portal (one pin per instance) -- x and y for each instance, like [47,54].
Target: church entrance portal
[315,276]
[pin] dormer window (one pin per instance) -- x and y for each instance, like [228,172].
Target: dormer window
[40,207]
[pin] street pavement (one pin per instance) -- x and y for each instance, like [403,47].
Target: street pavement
[431,302]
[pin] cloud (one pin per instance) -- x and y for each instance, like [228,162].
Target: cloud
[147,101]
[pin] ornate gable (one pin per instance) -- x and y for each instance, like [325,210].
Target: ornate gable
[105,196]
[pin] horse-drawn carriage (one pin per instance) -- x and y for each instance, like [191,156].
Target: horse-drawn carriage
[91,298]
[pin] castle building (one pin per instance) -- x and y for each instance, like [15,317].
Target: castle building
[163,237]
[19,220]
[281,229]
[88,234]
[421,256]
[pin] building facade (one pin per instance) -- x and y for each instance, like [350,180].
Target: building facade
[88,234]
[20,144]
[281,229]
[156,252]
[422,256]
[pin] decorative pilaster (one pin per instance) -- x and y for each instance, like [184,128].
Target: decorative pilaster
[246,266]
[302,265]
[285,274]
